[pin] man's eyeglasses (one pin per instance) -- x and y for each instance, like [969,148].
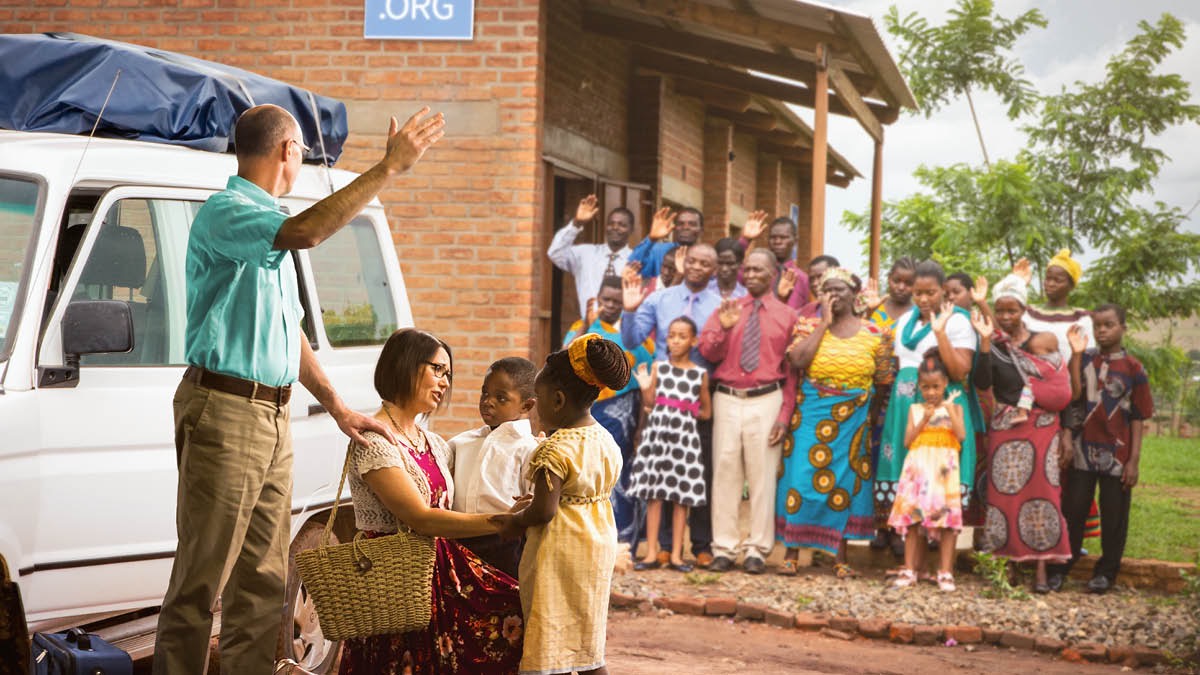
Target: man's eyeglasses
[440,370]
[303,148]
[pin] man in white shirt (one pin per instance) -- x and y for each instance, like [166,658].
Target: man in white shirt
[490,463]
[590,263]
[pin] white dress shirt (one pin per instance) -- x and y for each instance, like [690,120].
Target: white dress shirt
[489,466]
[586,262]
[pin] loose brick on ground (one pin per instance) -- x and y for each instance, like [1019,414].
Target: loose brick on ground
[1092,652]
[846,624]
[1046,645]
[750,611]
[813,622]
[721,606]
[781,619]
[623,601]
[927,635]
[693,606]
[965,635]
[836,634]
[901,632]
[1017,640]
[1148,656]
[874,628]
[1119,654]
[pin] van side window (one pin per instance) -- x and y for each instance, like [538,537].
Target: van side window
[138,257]
[352,286]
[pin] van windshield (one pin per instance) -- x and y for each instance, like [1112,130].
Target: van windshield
[18,204]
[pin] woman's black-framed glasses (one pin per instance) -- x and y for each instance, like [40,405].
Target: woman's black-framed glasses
[440,370]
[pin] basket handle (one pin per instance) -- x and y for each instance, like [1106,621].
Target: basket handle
[337,498]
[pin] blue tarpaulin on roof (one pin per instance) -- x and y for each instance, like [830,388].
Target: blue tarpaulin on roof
[57,82]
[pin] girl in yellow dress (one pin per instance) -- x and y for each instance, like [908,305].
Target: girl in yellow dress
[571,542]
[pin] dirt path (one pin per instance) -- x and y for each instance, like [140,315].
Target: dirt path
[649,645]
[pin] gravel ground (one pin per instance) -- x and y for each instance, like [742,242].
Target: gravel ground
[1121,617]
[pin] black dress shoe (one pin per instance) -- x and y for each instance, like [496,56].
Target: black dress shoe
[1055,582]
[684,567]
[642,565]
[880,541]
[1041,589]
[720,564]
[754,565]
[1099,584]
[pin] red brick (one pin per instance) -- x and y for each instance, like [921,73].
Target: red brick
[617,600]
[1048,645]
[750,612]
[1147,656]
[874,628]
[846,624]
[813,622]
[781,619]
[1120,654]
[690,606]
[964,635]
[927,635]
[901,632]
[1092,651]
[1017,640]
[721,606]
[837,634]
[992,636]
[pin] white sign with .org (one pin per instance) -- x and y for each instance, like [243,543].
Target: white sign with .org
[419,19]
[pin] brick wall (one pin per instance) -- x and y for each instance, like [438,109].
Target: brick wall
[587,88]
[682,145]
[743,192]
[464,221]
[795,187]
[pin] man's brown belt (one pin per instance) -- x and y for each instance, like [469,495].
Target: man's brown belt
[237,386]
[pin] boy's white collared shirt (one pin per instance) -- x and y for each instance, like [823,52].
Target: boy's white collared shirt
[489,466]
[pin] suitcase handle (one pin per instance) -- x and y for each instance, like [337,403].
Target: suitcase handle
[80,638]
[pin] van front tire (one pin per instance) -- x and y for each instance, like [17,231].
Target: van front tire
[300,637]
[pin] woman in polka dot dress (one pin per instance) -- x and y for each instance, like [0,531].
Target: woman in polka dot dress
[667,467]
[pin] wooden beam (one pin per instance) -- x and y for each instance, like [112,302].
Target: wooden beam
[876,208]
[849,96]
[864,62]
[749,120]
[719,51]
[718,97]
[816,229]
[733,79]
[729,21]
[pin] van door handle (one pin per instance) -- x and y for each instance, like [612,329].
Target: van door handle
[315,409]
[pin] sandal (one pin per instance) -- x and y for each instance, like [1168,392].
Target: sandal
[788,568]
[844,571]
[905,578]
[945,582]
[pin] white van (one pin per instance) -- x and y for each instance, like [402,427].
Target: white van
[87,455]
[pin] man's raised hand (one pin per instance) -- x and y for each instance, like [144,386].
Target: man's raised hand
[586,210]
[406,144]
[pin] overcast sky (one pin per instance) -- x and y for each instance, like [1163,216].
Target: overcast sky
[1076,44]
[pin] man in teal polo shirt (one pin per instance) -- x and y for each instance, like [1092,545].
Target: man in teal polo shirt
[245,349]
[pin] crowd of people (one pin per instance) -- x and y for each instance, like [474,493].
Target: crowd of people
[698,377]
[839,412]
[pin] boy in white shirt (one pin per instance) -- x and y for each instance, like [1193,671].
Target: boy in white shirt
[489,463]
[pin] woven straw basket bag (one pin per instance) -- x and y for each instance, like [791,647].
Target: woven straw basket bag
[369,587]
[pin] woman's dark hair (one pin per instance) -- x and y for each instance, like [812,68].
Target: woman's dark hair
[520,370]
[962,278]
[931,363]
[904,262]
[730,244]
[687,321]
[607,361]
[930,269]
[405,353]
[1111,307]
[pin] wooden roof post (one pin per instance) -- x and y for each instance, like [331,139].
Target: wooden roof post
[876,208]
[819,153]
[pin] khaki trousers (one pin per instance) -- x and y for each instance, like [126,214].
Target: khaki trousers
[741,454]
[233,519]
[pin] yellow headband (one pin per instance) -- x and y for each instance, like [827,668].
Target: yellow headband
[577,351]
[1068,265]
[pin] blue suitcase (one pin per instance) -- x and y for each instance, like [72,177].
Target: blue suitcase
[76,652]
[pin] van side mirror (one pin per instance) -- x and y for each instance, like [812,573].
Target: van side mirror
[89,327]
[97,327]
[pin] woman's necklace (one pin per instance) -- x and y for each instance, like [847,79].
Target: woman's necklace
[415,445]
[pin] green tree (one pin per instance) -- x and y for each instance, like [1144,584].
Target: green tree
[969,52]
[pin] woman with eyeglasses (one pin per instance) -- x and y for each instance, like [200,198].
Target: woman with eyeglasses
[476,625]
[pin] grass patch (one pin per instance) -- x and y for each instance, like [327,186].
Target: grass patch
[1164,520]
[701,578]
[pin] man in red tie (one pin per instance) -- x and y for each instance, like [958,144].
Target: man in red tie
[747,340]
